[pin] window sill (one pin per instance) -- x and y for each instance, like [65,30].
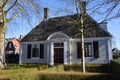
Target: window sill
[35,58]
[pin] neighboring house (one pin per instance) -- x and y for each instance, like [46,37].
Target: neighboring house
[115,51]
[57,40]
[12,49]
[13,46]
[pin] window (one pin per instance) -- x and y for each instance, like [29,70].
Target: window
[35,51]
[88,49]
[10,45]
[58,44]
[91,49]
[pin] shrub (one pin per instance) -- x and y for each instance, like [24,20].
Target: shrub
[12,58]
[89,68]
[21,66]
[74,67]
[104,68]
[115,66]
[116,56]
[62,76]
[56,68]
[73,76]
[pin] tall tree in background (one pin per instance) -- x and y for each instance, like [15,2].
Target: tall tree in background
[13,9]
[107,9]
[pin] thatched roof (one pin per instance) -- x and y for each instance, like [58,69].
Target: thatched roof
[67,25]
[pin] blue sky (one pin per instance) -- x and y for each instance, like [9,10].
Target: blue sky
[20,27]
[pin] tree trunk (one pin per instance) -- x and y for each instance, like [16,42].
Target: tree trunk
[2,50]
[2,39]
[82,45]
[80,5]
[82,20]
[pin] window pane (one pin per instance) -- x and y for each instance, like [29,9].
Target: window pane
[58,44]
[35,51]
[10,44]
[88,49]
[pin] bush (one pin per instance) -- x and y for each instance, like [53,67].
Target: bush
[12,58]
[73,76]
[56,68]
[74,67]
[62,76]
[89,68]
[116,56]
[21,66]
[115,66]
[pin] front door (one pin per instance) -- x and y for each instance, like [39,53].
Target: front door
[58,53]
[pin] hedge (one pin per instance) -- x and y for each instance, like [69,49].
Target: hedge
[73,76]
[89,68]
[12,58]
[21,66]
[115,66]
[63,76]
[116,56]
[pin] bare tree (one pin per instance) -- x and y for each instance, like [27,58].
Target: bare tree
[109,9]
[81,12]
[14,8]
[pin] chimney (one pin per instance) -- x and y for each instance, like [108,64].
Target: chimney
[46,13]
[104,25]
[21,36]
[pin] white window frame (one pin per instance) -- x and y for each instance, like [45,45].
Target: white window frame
[32,51]
[92,48]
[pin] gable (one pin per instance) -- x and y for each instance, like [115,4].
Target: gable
[10,46]
[68,26]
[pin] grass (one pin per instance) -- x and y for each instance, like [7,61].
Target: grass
[41,75]
[117,60]
[44,72]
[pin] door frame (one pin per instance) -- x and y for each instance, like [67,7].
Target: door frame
[59,45]
[65,51]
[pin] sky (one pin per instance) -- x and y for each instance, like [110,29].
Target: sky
[19,26]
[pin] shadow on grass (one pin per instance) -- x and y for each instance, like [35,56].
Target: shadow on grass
[63,76]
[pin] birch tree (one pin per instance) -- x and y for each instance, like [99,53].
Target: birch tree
[81,12]
[109,9]
[14,8]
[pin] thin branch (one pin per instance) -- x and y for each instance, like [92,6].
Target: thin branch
[110,10]
[13,17]
[12,6]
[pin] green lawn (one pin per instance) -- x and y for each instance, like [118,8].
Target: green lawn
[34,74]
[44,72]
